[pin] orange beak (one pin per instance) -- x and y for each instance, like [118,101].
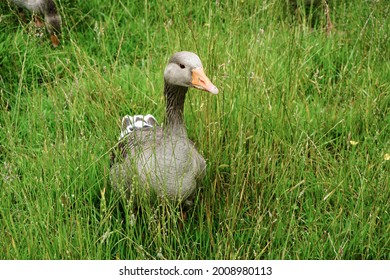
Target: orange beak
[54,40]
[200,81]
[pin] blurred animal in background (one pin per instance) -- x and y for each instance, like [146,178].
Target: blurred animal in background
[48,10]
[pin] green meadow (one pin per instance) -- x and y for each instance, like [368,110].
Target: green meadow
[296,142]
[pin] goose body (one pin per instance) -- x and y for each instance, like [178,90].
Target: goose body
[47,9]
[163,159]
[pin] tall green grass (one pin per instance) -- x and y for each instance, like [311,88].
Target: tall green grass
[296,143]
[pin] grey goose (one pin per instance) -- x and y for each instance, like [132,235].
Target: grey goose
[161,158]
[47,9]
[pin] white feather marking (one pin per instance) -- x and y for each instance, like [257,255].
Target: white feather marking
[136,122]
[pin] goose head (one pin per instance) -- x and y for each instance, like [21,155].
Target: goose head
[185,69]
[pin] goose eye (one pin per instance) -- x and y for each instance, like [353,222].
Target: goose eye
[182,66]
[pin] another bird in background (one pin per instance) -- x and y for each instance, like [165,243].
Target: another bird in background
[47,9]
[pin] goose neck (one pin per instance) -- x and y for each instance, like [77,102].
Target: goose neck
[174,98]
